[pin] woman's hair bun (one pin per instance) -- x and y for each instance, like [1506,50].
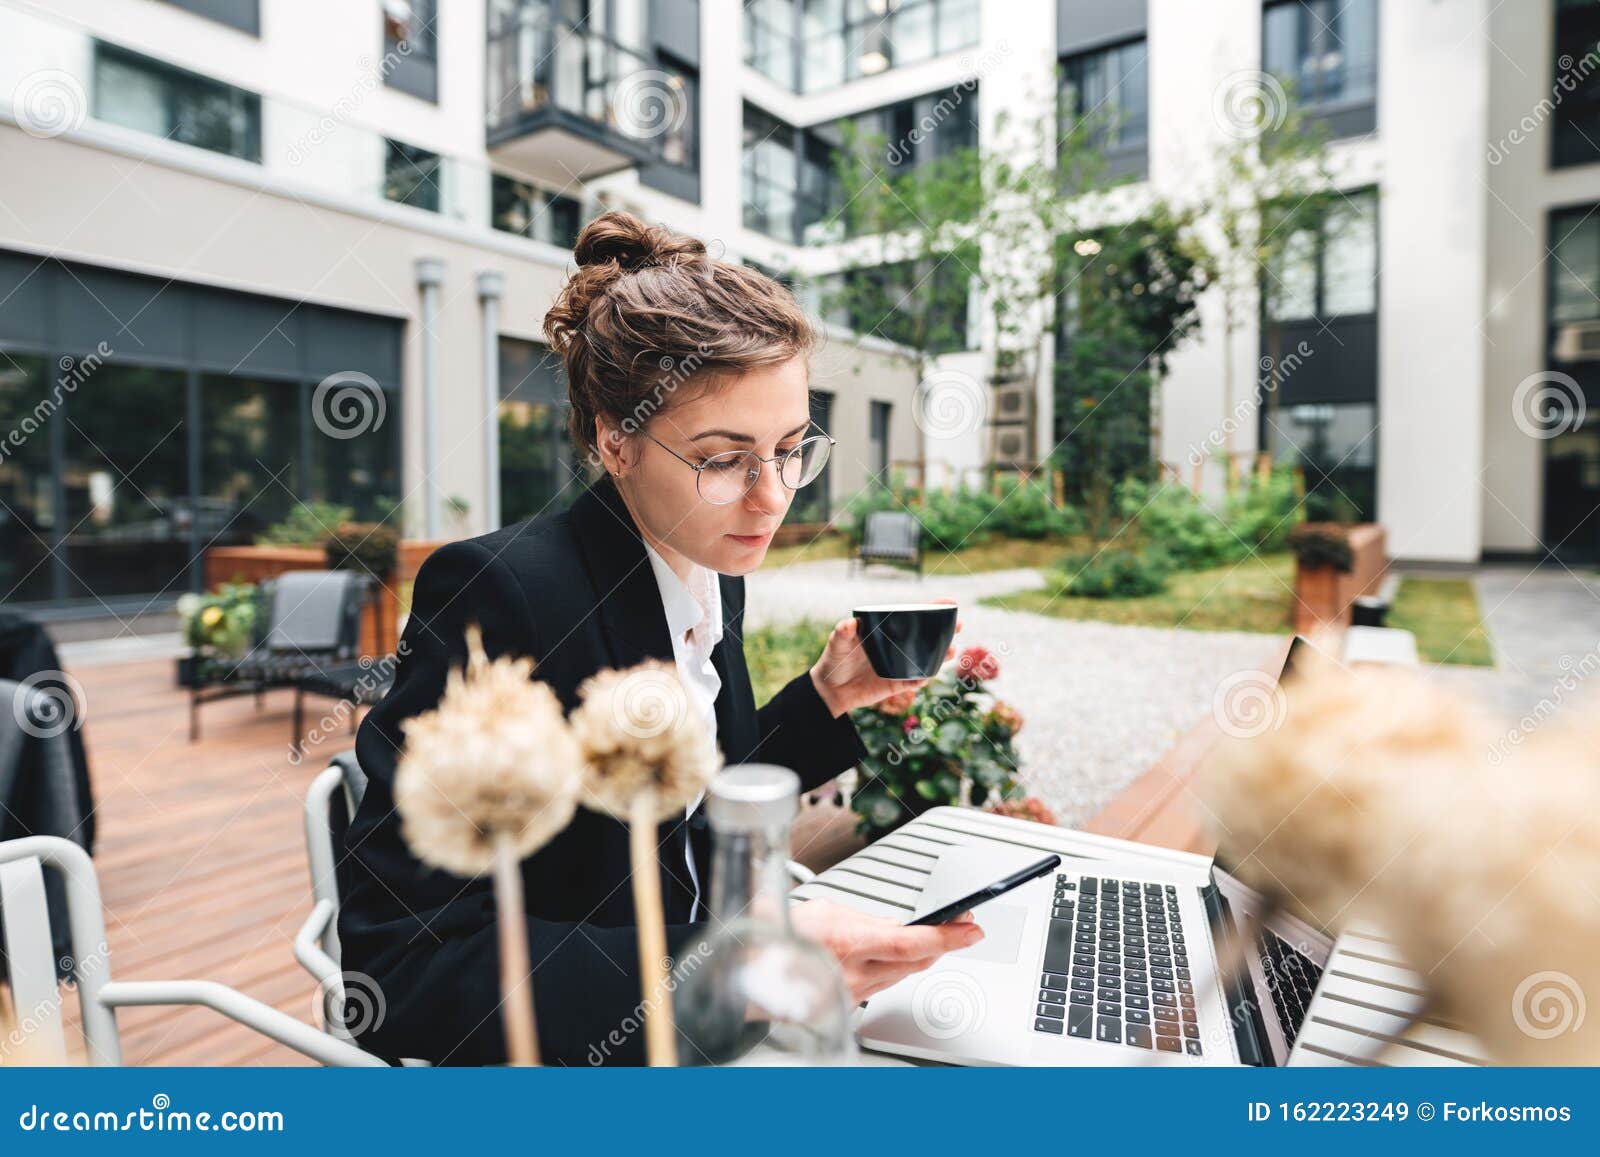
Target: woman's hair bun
[631,243]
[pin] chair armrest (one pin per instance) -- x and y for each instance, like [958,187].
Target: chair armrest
[308,944]
[236,1006]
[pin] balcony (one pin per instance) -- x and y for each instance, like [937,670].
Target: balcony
[570,101]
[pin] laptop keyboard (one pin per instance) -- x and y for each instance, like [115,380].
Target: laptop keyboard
[1291,978]
[1116,967]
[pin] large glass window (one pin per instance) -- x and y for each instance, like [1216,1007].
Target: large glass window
[146,95]
[27,491]
[1576,136]
[1575,265]
[537,466]
[125,477]
[1328,268]
[1108,92]
[848,39]
[790,182]
[530,211]
[412,176]
[1326,53]
[358,470]
[769,40]
[249,446]
[1336,445]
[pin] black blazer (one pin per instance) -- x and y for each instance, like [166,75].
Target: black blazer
[575,590]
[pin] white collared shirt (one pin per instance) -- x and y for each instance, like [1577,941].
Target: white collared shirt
[694,621]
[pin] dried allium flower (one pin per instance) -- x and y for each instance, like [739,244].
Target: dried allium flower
[495,758]
[638,729]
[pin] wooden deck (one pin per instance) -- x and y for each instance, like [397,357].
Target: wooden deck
[202,857]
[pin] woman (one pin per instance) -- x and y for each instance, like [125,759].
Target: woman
[688,384]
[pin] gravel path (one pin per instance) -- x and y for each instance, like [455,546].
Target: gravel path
[1101,702]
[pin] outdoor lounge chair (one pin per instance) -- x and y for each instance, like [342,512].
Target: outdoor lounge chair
[308,623]
[892,536]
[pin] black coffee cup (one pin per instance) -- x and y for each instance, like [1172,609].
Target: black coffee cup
[906,640]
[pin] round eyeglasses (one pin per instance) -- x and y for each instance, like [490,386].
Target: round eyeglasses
[728,477]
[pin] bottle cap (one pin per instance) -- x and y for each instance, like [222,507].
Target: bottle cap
[753,797]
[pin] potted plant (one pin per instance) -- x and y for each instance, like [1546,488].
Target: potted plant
[215,626]
[1322,554]
[926,745]
[372,549]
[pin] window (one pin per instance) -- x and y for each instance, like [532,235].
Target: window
[411,47]
[1576,136]
[806,45]
[1326,53]
[812,504]
[27,518]
[1329,269]
[245,15]
[529,211]
[411,176]
[845,40]
[149,96]
[680,142]
[537,466]
[249,447]
[878,438]
[1575,265]
[791,189]
[1337,447]
[927,309]
[769,40]
[1107,92]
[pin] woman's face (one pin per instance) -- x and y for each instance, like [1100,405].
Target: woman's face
[766,410]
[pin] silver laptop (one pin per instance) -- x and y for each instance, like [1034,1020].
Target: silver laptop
[1109,963]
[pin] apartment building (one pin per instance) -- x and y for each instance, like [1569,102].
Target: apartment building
[257,251]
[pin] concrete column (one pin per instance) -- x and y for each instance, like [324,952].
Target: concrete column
[490,286]
[430,276]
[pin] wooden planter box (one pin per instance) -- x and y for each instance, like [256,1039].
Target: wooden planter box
[380,618]
[1323,597]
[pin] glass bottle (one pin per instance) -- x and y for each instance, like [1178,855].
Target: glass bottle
[754,992]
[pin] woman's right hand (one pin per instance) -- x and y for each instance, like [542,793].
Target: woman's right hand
[874,952]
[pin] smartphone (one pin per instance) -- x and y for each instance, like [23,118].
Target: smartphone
[999,888]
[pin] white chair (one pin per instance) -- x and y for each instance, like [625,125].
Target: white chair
[25,927]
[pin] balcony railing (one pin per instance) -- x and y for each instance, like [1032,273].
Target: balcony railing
[566,100]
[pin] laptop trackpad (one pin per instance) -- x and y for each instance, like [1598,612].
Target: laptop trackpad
[1002,932]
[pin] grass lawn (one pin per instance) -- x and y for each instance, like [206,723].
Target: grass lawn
[1443,614]
[779,653]
[996,554]
[1253,595]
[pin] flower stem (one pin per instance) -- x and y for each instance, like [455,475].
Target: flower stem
[516,977]
[660,1034]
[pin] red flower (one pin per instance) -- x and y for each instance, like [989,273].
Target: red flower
[910,724]
[978,663]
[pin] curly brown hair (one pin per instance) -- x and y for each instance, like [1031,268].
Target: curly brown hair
[648,310]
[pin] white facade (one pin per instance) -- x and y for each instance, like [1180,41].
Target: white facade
[1461,262]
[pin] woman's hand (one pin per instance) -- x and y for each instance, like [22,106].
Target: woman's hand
[844,676]
[874,952]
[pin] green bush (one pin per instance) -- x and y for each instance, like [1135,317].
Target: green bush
[1185,528]
[1028,512]
[1264,511]
[1116,573]
[371,548]
[308,524]
[955,518]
